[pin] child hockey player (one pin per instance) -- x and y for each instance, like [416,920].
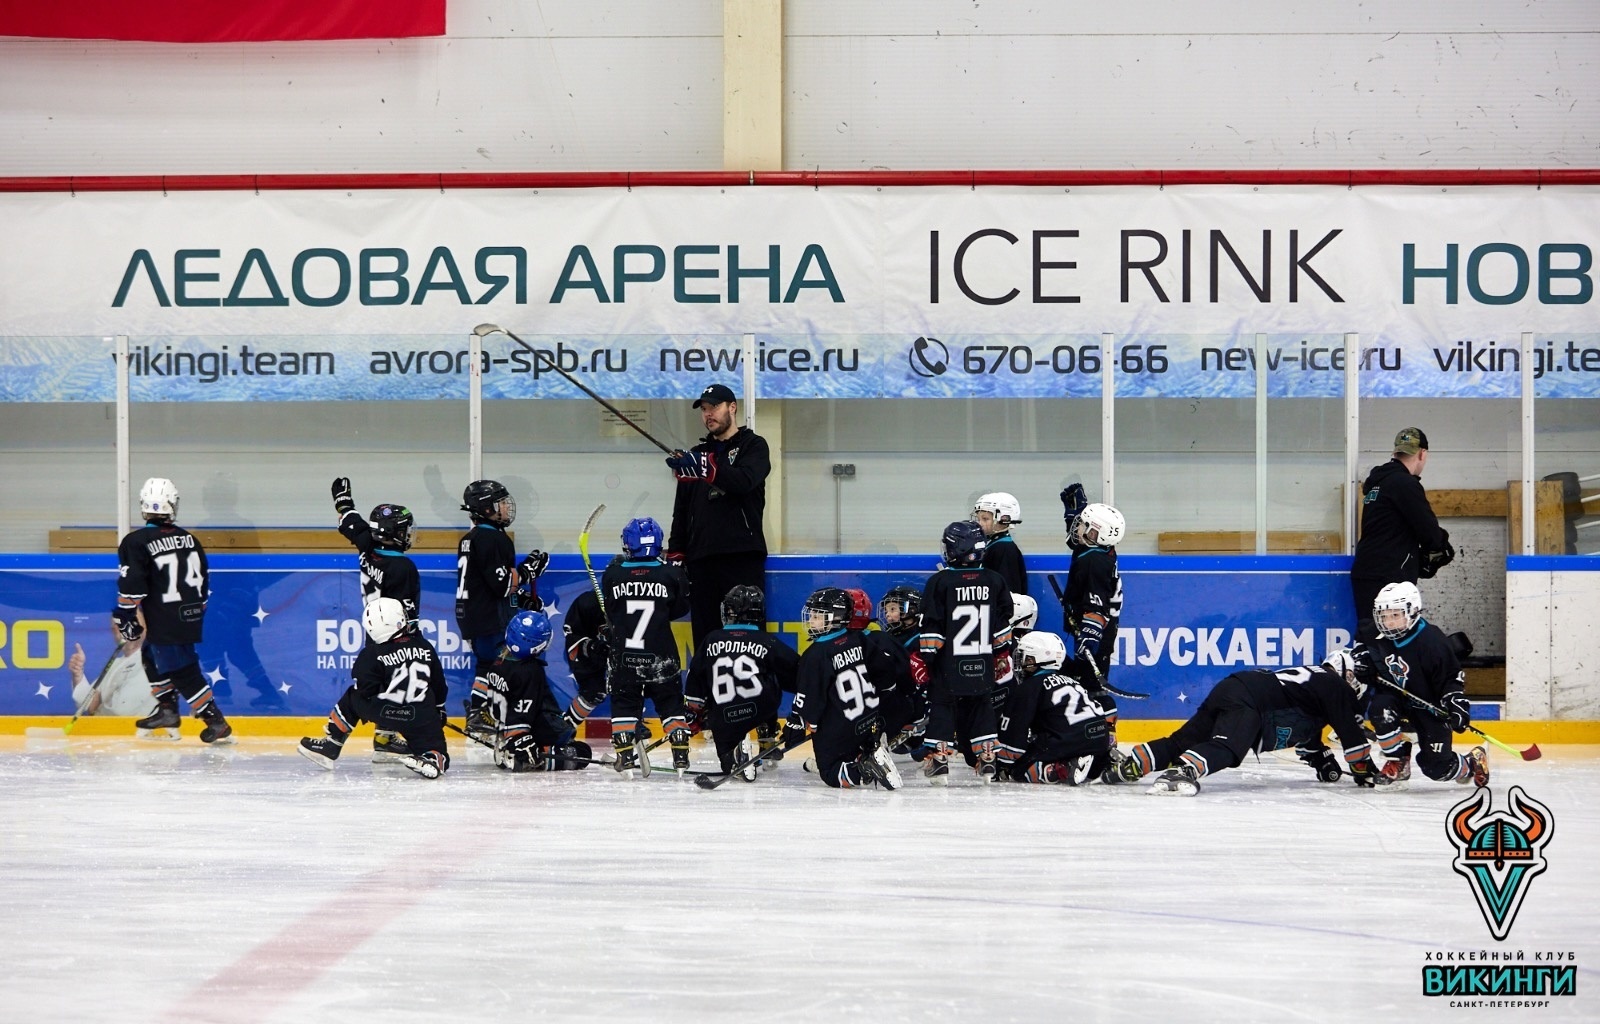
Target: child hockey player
[738,679]
[399,684]
[586,640]
[900,624]
[164,580]
[1051,729]
[996,514]
[643,595]
[1091,606]
[840,694]
[532,737]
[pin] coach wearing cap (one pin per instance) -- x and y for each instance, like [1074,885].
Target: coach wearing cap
[1401,540]
[716,517]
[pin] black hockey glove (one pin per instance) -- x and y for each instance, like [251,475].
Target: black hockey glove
[1321,761]
[342,500]
[1366,775]
[1433,561]
[126,619]
[1458,712]
[794,733]
[529,600]
[1073,501]
[533,566]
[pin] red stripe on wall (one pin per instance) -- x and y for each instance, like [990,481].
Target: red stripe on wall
[221,21]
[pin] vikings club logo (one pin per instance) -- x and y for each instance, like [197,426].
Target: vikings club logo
[1499,852]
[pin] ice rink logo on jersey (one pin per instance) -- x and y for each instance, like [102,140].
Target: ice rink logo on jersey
[1499,852]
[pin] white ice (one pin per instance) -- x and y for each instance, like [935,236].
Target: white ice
[168,882]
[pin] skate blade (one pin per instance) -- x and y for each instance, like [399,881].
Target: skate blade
[167,735]
[383,757]
[1181,789]
[315,758]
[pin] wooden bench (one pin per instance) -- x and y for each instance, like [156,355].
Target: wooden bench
[251,540]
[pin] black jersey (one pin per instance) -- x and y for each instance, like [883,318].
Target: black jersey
[1091,606]
[404,669]
[384,573]
[485,562]
[582,621]
[740,675]
[840,689]
[1004,557]
[1050,710]
[1314,696]
[519,692]
[642,599]
[163,568]
[966,621]
[1423,662]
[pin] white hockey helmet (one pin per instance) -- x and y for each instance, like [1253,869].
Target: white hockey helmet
[1342,664]
[1003,506]
[383,618]
[1099,525]
[1024,611]
[1041,651]
[1397,610]
[158,498]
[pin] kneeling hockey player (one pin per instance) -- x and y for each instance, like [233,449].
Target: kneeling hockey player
[1258,710]
[840,695]
[1051,729]
[738,679]
[532,736]
[399,685]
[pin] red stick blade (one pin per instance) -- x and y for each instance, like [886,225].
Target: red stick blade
[1532,753]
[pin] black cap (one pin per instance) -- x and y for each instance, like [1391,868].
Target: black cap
[716,394]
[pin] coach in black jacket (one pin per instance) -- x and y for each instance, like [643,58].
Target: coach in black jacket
[1401,540]
[716,516]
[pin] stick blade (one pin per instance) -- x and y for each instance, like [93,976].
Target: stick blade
[484,330]
[1533,753]
[709,781]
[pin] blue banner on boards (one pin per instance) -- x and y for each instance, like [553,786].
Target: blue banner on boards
[282,631]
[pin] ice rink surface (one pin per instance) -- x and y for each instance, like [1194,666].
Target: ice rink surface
[169,882]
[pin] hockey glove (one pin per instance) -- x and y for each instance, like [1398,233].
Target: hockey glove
[1073,501]
[1364,774]
[529,600]
[1321,761]
[672,557]
[1458,710]
[1433,561]
[1002,667]
[533,566]
[794,733]
[343,503]
[126,619]
[686,466]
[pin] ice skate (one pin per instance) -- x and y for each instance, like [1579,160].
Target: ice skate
[746,753]
[1398,767]
[217,729]
[1477,767]
[627,749]
[320,751]
[427,764]
[809,766]
[1121,769]
[877,767]
[480,726]
[936,767]
[161,724]
[388,747]
[768,735]
[679,739]
[1177,781]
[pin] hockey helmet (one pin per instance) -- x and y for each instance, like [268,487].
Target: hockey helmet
[963,543]
[1353,664]
[826,611]
[528,633]
[860,608]
[391,526]
[641,539]
[900,609]
[384,618]
[744,605]
[1397,610]
[489,501]
[1099,525]
[1003,509]
[1024,611]
[158,498]
[1040,651]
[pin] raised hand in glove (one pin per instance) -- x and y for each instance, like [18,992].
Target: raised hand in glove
[1073,501]
[533,566]
[126,619]
[692,465]
[1458,712]
[343,502]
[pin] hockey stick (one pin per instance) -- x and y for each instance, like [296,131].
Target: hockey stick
[711,780]
[1061,596]
[483,330]
[583,549]
[94,688]
[1533,753]
[1101,679]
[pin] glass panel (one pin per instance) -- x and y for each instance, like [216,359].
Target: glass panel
[1567,444]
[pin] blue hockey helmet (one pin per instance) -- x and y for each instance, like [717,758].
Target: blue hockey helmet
[528,633]
[642,538]
[963,543]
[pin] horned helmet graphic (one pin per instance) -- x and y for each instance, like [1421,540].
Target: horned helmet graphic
[1499,852]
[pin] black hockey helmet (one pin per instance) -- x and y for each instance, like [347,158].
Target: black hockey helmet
[907,604]
[490,501]
[744,605]
[391,526]
[827,610]
[963,543]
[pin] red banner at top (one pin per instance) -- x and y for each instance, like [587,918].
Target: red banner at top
[221,21]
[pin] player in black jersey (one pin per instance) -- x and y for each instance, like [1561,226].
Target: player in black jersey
[586,641]
[1260,710]
[398,684]
[840,695]
[1415,655]
[643,595]
[386,571]
[1091,606]
[163,579]
[966,624]
[996,514]
[490,584]
[1051,729]
[900,623]
[738,678]
[532,737]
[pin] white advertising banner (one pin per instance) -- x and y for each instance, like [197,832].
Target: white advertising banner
[850,292]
